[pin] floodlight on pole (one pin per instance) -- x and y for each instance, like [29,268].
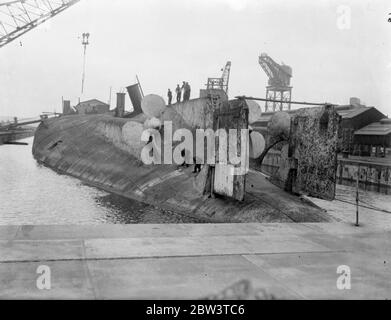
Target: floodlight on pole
[84,43]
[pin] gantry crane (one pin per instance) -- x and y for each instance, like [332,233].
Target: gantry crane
[19,17]
[278,88]
[220,83]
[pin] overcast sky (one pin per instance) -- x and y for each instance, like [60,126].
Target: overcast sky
[166,42]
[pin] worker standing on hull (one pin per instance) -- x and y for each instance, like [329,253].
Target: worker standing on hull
[187,91]
[183,89]
[169,95]
[178,93]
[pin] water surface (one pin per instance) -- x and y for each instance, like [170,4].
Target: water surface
[31,193]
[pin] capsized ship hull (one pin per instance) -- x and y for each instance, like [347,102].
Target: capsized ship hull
[99,150]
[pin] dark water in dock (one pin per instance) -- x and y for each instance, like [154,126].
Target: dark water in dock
[33,194]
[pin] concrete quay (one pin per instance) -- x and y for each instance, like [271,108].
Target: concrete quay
[194,261]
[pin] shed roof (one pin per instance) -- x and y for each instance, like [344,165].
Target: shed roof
[91,101]
[345,111]
[375,129]
[350,113]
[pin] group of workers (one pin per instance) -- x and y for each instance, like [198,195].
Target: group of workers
[178,90]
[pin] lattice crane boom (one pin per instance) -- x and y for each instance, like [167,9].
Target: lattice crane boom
[278,84]
[279,75]
[220,83]
[225,75]
[19,17]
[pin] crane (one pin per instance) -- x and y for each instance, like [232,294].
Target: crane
[222,82]
[278,87]
[21,16]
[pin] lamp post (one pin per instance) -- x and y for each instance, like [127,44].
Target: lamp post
[84,43]
[357,195]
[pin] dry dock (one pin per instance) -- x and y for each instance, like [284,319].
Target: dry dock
[280,260]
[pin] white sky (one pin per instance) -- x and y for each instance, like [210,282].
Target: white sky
[166,42]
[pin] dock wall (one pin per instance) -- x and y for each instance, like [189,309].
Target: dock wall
[373,176]
[6,137]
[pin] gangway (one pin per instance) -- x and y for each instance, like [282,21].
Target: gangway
[24,122]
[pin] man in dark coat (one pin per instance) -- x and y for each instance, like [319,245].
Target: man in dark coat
[178,93]
[188,89]
[169,95]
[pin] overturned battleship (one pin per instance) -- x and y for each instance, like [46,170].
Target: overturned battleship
[108,151]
